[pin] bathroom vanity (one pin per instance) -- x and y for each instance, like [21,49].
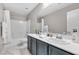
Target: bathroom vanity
[46,46]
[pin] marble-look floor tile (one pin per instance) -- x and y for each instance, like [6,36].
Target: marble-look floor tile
[13,50]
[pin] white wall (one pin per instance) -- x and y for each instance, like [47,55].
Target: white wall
[73,20]
[1,15]
[33,16]
[1,6]
[1,18]
[19,28]
[16,16]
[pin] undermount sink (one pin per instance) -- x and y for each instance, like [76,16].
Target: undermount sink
[42,36]
[60,40]
[54,39]
[74,41]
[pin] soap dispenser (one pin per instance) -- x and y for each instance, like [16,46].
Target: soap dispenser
[75,36]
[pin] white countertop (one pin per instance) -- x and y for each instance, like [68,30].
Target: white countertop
[67,46]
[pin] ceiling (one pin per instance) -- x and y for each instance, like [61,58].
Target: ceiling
[23,9]
[53,8]
[20,8]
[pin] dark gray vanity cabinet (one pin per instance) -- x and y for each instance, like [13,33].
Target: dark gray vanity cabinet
[38,47]
[41,48]
[57,51]
[33,46]
[29,43]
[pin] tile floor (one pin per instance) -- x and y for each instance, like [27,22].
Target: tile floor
[13,50]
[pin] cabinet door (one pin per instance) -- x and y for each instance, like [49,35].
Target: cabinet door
[29,43]
[33,46]
[41,48]
[56,51]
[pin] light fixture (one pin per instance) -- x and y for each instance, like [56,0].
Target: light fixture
[46,5]
[20,21]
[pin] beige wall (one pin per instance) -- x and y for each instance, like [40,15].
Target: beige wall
[57,21]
